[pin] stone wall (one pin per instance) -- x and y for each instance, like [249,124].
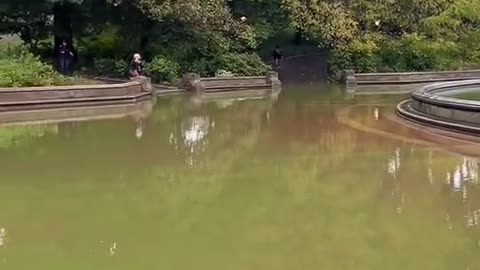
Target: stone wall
[12,98]
[197,84]
[355,81]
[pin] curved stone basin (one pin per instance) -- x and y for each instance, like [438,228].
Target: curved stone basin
[435,105]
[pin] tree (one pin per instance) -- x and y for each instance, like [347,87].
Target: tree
[29,19]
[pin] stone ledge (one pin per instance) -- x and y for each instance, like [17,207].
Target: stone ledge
[195,83]
[55,96]
[352,79]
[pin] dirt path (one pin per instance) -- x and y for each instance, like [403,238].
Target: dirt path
[305,68]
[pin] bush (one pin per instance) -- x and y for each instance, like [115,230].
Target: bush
[243,64]
[106,44]
[407,53]
[360,55]
[201,66]
[161,69]
[110,67]
[20,68]
[417,53]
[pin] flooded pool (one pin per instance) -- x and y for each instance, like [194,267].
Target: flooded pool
[313,180]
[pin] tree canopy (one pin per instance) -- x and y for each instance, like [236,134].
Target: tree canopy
[200,35]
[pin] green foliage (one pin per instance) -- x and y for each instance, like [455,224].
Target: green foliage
[110,66]
[407,53]
[266,17]
[194,34]
[102,45]
[405,35]
[204,36]
[201,16]
[243,64]
[329,23]
[202,66]
[360,55]
[414,52]
[20,68]
[161,69]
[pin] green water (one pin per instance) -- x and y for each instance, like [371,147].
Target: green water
[468,96]
[253,184]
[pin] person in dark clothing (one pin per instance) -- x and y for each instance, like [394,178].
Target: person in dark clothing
[277,55]
[136,66]
[65,56]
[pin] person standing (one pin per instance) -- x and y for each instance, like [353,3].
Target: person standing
[65,56]
[277,55]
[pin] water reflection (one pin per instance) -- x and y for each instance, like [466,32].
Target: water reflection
[3,236]
[394,163]
[194,133]
[195,130]
[466,171]
[139,130]
[113,249]
[13,136]
[376,113]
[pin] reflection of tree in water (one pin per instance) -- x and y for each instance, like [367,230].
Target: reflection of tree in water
[463,179]
[458,193]
[394,163]
[465,172]
[194,132]
[21,135]
[393,169]
[194,135]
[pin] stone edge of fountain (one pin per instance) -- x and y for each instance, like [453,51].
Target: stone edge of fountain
[429,105]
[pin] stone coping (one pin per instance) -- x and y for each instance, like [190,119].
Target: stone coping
[70,87]
[353,79]
[418,73]
[231,78]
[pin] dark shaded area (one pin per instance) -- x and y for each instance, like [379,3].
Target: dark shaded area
[305,69]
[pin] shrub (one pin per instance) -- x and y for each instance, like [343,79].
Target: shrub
[201,66]
[105,44]
[360,55]
[243,64]
[415,52]
[110,67]
[161,69]
[20,68]
[407,53]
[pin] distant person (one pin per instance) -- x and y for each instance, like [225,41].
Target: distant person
[65,57]
[277,55]
[136,66]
